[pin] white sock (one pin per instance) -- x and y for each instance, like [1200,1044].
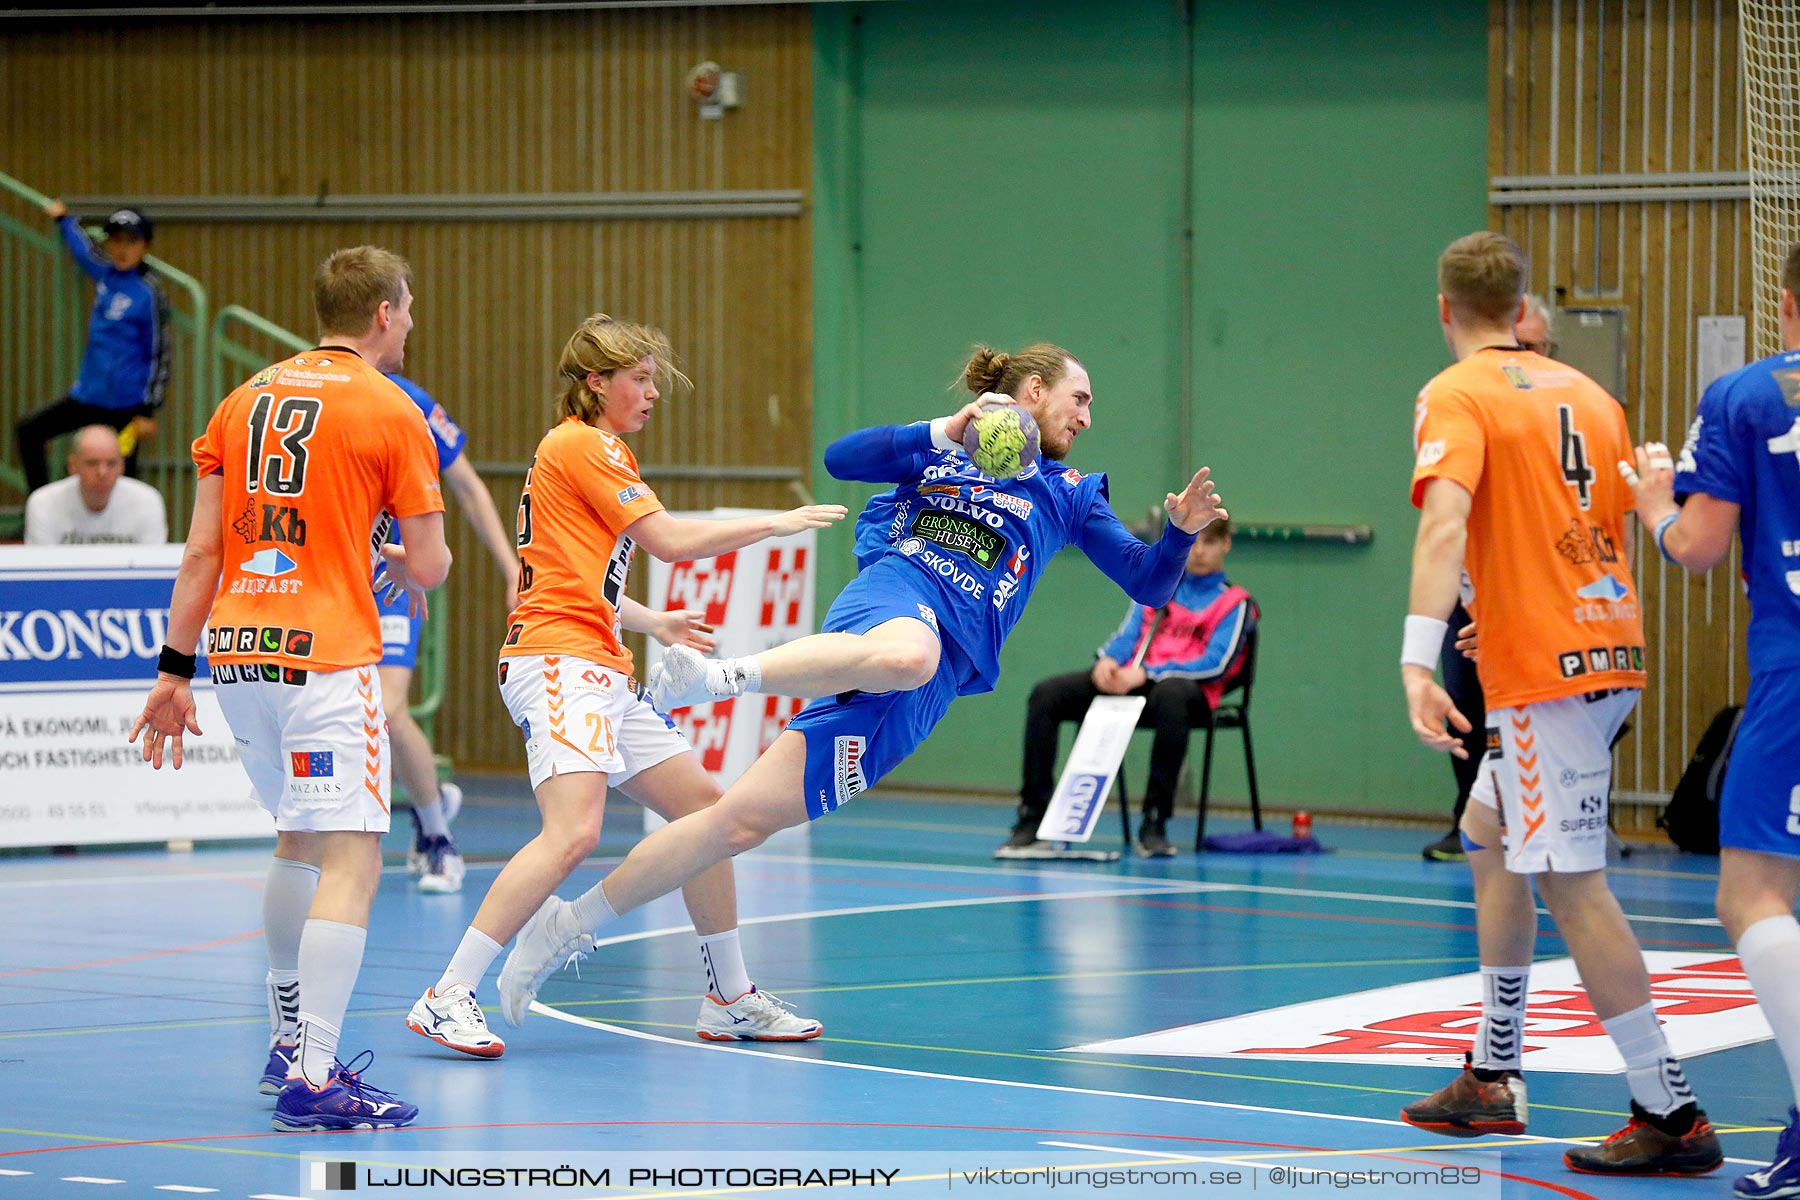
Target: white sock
[474,955]
[592,909]
[1499,1042]
[726,977]
[431,817]
[331,954]
[287,896]
[735,676]
[1657,1081]
[1770,952]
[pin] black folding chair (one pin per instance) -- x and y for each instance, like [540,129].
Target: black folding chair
[1233,713]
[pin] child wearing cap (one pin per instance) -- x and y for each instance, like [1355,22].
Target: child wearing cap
[125,368]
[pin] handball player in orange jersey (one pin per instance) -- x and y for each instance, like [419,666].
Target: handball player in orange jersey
[567,681]
[1513,484]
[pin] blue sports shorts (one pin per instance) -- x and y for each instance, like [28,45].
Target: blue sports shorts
[1760,806]
[399,634]
[854,739]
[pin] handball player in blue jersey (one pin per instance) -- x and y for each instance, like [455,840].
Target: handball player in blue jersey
[1740,472]
[948,560]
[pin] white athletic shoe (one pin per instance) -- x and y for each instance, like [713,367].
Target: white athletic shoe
[454,1019]
[444,869]
[682,678]
[548,943]
[753,1017]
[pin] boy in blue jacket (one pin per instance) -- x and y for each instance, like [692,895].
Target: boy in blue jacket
[125,369]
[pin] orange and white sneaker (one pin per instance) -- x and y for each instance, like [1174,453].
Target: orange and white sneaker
[454,1019]
[753,1017]
[1470,1106]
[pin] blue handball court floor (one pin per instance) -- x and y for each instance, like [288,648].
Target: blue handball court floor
[1219,1025]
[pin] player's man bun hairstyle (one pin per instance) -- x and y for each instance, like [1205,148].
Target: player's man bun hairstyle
[1482,276]
[991,370]
[351,284]
[601,345]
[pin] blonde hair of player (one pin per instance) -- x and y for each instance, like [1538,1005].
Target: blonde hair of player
[601,345]
[1482,278]
[350,285]
[991,370]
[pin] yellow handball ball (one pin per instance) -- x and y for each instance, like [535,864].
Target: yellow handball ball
[1003,441]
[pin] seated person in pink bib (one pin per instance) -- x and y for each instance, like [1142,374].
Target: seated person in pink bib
[1181,657]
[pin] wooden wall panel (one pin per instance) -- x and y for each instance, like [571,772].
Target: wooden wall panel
[590,101]
[1587,88]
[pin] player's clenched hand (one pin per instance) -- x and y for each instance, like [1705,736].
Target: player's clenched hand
[1429,706]
[959,420]
[684,627]
[1197,506]
[809,516]
[168,711]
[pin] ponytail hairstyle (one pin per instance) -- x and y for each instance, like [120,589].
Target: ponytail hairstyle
[603,345]
[992,370]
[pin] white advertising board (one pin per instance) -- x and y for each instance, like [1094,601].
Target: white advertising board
[80,629]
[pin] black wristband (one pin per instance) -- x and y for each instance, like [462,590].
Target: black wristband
[174,662]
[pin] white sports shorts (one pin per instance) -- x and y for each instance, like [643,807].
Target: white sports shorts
[1550,765]
[579,716]
[314,743]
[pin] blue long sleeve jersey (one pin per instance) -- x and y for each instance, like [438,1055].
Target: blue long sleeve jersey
[981,544]
[126,363]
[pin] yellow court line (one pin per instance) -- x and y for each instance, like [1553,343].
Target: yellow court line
[153,1144]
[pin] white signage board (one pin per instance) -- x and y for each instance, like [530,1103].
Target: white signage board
[1087,777]
[80,630]
[1703,1000]
[754,598]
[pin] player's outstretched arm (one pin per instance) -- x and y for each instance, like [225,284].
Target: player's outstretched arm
[169,709]
[682,539]
[1696,535]
[1197,505]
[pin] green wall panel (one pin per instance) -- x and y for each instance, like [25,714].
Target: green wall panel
[1009,172]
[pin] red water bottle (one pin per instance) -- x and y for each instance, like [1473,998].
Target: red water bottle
[1303,824]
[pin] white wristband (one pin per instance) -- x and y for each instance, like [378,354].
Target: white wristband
[1424,641]
[940,438]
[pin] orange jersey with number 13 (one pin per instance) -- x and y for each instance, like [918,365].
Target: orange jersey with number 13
[1534,442]
[312,451]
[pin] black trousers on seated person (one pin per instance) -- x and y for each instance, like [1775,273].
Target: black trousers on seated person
[1174,708]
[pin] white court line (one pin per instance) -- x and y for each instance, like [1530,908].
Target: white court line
[1129,1151]
[1316,893]
[182,1187]
[88,1179]
[1152,889]
[15,1172]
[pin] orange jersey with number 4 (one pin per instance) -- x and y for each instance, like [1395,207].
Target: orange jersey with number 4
[1535,443]
[314,451]
[582,492]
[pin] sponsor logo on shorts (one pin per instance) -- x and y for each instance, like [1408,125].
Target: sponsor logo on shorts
[604,682]
[1495,750]
[225,673]
[525,727]
[271,673]
[847,770]
[505,666]
[293,676]
[310,764]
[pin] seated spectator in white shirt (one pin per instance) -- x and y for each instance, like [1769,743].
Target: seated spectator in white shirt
[94,503]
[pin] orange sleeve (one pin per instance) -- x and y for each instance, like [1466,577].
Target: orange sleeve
[413,488]
[1450,440]
[608,479]
[209,447]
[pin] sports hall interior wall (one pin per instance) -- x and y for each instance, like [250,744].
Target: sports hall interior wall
[1014,171]
[493,106]
[1585,96]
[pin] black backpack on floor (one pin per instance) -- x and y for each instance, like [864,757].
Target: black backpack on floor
[1692,816]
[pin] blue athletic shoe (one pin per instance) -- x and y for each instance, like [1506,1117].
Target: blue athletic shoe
[1781,1177]
[274,1076]
[344,1103]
